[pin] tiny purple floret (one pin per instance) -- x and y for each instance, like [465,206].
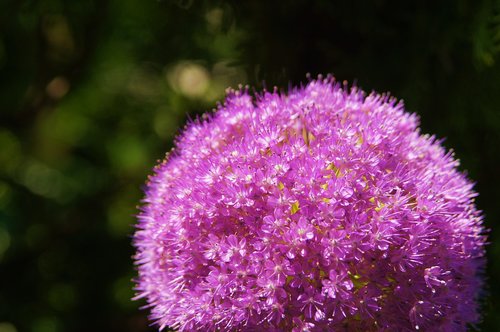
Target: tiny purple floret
[320,209]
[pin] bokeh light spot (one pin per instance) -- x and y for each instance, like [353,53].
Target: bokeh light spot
[189,79]
[214,18]
[7,327]
[42,180]
[57,88]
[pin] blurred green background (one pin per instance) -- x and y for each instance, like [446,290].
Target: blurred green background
[92,93]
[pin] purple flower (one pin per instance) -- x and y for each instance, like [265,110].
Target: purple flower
[320,209]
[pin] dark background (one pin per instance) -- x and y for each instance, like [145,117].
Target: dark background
[92,94]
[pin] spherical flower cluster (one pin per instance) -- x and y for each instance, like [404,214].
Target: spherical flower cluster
[323,209]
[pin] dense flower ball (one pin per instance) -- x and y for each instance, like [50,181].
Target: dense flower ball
[321,209]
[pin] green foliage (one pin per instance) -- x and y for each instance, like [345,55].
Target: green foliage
[93,92]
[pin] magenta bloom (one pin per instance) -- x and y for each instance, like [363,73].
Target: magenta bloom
[321,209]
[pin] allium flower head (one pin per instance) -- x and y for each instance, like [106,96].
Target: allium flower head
[321,209]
